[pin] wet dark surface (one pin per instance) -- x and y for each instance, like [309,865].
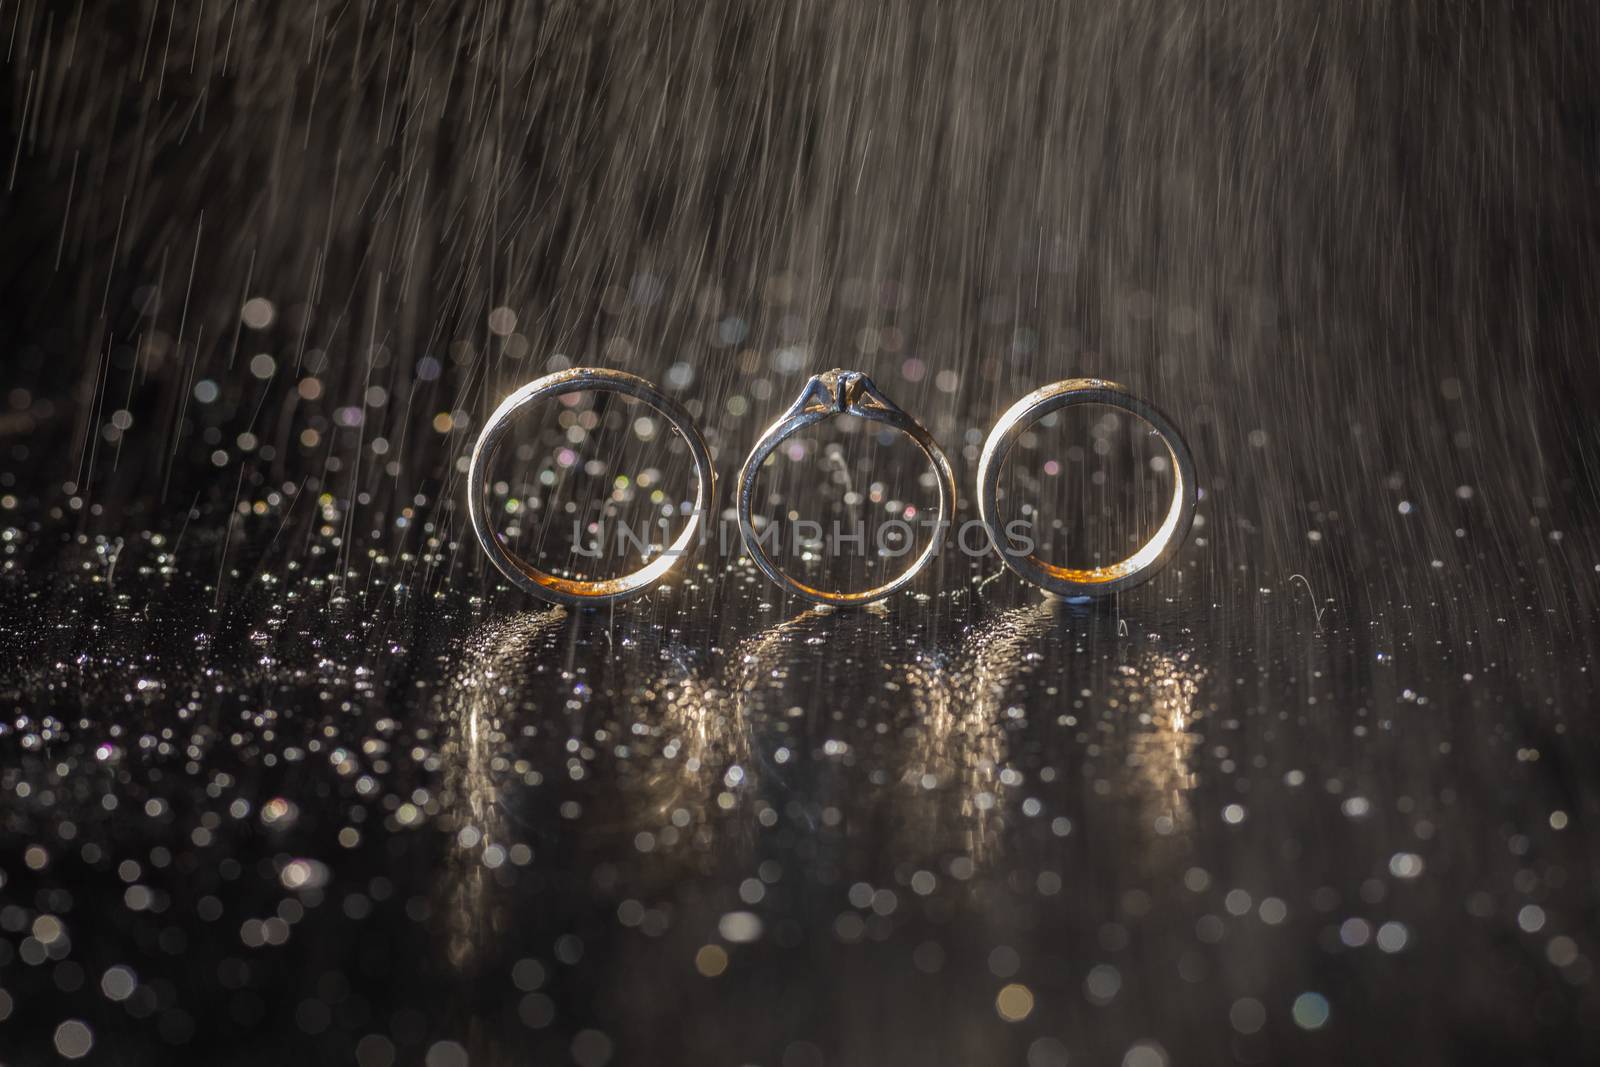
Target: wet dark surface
[287,773]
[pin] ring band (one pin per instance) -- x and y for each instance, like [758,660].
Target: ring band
[570,591]
[842,392]
[1089,581]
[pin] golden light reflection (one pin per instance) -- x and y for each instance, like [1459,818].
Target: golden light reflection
[702,742]
[703,726]
[1159,690]
[480,695]
[957,773]
[953,782]
[955,766]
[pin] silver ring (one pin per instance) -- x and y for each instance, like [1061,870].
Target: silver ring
[571,591]
[842,392]
[1088,581]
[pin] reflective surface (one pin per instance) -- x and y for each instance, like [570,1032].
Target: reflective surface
[289,774]
[1220,826]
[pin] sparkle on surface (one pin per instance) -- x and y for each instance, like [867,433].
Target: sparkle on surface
[288,774]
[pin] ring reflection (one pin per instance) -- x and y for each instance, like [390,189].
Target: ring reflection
[482,692]
[695,761]
[1007,682]
[706,725]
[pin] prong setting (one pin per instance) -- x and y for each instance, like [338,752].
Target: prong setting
[842,392]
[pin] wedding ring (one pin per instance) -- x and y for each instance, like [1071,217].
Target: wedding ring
[570,591]
[1088,581]
[842,392]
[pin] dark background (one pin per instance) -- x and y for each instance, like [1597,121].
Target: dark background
[1353,250]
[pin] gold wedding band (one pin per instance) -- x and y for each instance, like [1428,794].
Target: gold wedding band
[570,591]
[1088,581]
